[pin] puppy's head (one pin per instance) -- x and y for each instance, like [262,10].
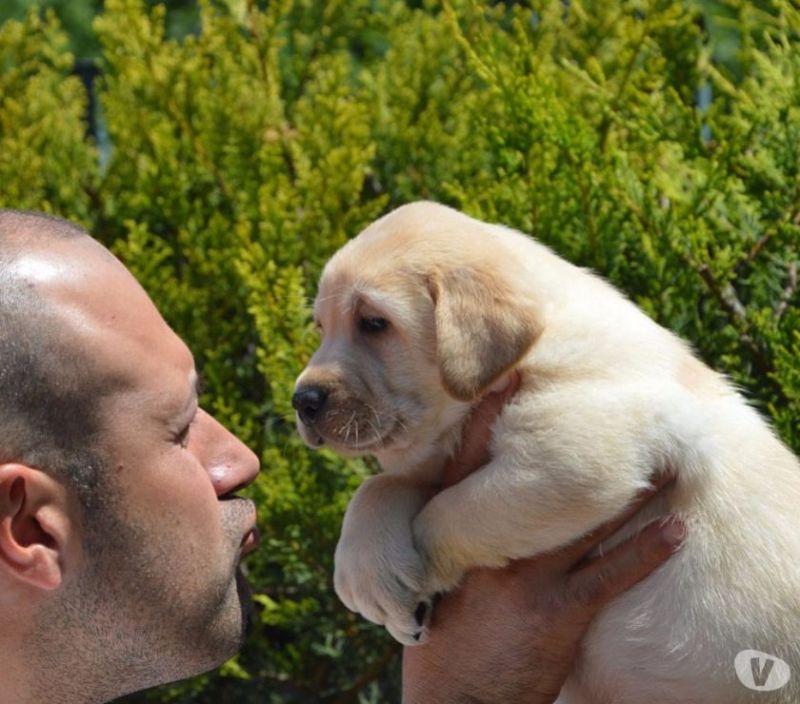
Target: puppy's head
[418,315]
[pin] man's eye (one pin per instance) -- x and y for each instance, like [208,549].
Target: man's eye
[182,438]
[372,326]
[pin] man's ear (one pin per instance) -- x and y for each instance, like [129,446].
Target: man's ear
[484,326]
[36,526]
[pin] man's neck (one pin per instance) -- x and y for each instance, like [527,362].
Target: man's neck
[29,677]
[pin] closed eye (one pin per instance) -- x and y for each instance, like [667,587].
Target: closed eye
[182,438]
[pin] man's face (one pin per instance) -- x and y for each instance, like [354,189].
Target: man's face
[161,586]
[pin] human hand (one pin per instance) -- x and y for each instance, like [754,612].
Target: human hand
[512,635]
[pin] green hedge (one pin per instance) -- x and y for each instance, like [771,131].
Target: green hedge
[655,141]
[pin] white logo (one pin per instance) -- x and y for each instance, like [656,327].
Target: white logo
[761,671]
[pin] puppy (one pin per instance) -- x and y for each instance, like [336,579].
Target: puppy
[427,310]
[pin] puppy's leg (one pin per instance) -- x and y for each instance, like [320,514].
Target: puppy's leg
[378,571]
[489,518]
[549,483]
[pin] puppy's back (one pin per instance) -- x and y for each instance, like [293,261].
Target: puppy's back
[735,585]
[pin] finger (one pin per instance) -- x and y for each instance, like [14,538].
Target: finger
[603,578]
[473,452]
[577,550]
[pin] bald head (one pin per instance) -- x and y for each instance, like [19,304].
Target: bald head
[21,224]
[48,386]
[23,232]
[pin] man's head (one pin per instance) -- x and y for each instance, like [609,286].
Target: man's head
[48,390]
[120,534]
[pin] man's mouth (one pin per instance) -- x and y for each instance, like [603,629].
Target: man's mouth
[251,540]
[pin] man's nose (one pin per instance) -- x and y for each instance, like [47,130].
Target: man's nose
[308,401]
[231,464]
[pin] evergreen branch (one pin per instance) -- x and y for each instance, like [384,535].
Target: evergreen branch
[605,125]
[729,301]
[726,295]
[755,250]
[788,292]
[373,672]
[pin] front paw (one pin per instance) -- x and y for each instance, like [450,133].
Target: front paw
[386,586]
[445,563]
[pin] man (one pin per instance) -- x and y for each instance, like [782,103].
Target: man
[121,531]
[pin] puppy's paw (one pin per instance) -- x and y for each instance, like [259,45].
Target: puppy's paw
[443,571]
[385,585]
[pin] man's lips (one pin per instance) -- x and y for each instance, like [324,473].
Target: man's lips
[251,540]
[251,537]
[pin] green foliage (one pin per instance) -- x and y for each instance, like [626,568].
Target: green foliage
[74,15]
[243,155]
[45,162]
[76,18]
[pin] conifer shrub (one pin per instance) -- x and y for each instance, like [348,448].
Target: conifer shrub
[617,132]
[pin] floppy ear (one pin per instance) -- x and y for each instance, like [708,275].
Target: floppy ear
[484,326]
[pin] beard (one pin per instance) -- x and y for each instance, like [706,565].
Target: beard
[140,616]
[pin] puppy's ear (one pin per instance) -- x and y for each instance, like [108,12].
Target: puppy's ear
[484,326]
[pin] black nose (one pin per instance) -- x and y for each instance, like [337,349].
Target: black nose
[308,402]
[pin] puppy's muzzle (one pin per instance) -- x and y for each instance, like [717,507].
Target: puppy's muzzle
[309,401]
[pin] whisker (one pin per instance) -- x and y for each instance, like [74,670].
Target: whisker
[350,425]
[377,417]
[332,296]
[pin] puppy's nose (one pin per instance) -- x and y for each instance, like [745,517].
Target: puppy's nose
[308,402]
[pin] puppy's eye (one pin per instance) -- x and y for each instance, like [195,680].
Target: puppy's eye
[372,326]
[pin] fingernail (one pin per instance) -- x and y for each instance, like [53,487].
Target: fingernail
[674,531]
[419,614]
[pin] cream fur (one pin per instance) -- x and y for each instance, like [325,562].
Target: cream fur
[607,397]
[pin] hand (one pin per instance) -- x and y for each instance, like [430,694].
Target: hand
[512,635]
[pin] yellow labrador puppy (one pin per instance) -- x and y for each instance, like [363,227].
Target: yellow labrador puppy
[427,310]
